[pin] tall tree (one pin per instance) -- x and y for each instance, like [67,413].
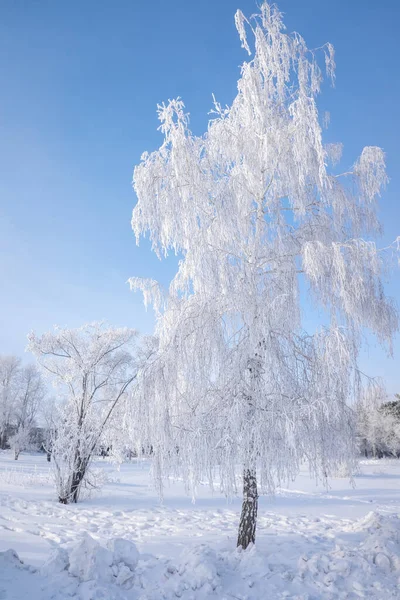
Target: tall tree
[259,218]
[92,367]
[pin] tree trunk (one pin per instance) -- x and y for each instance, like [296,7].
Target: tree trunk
[16,454]
[73,493]
[77,478]
[48,455]
[76,481]
[248,518]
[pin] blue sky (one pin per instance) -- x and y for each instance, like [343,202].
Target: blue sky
[80,85]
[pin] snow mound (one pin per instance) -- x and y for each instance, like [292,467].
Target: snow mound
[125,552]
[56,563]
[88,560]
[382,546]
[11,559]
[365,563]
[91,567]
[199,565]
[369,570]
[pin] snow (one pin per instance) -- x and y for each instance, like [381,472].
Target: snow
[122,544]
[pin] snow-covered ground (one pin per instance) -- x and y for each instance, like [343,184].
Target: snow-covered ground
[122,544]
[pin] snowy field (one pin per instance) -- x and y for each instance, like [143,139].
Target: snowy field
[311,544]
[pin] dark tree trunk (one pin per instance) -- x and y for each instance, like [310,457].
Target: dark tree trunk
[77,478]
[16,454]
[76,481]
[248,518]
[48,456]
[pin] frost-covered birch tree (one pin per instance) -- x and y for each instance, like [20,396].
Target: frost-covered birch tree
[92,368]
[259,217]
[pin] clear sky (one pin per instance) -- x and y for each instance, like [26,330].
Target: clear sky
[80,85]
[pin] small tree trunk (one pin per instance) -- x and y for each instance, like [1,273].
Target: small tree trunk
[248,518]
[16,454]
[48,455]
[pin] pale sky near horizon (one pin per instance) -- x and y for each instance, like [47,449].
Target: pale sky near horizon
[81,81]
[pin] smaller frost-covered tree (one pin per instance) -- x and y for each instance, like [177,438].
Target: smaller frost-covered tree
[392,408]
[260,218]
[21,440]
[30,395]
[130,435]
[21,393]
[378,424]
[9,387]
[49,412]
[92,368]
